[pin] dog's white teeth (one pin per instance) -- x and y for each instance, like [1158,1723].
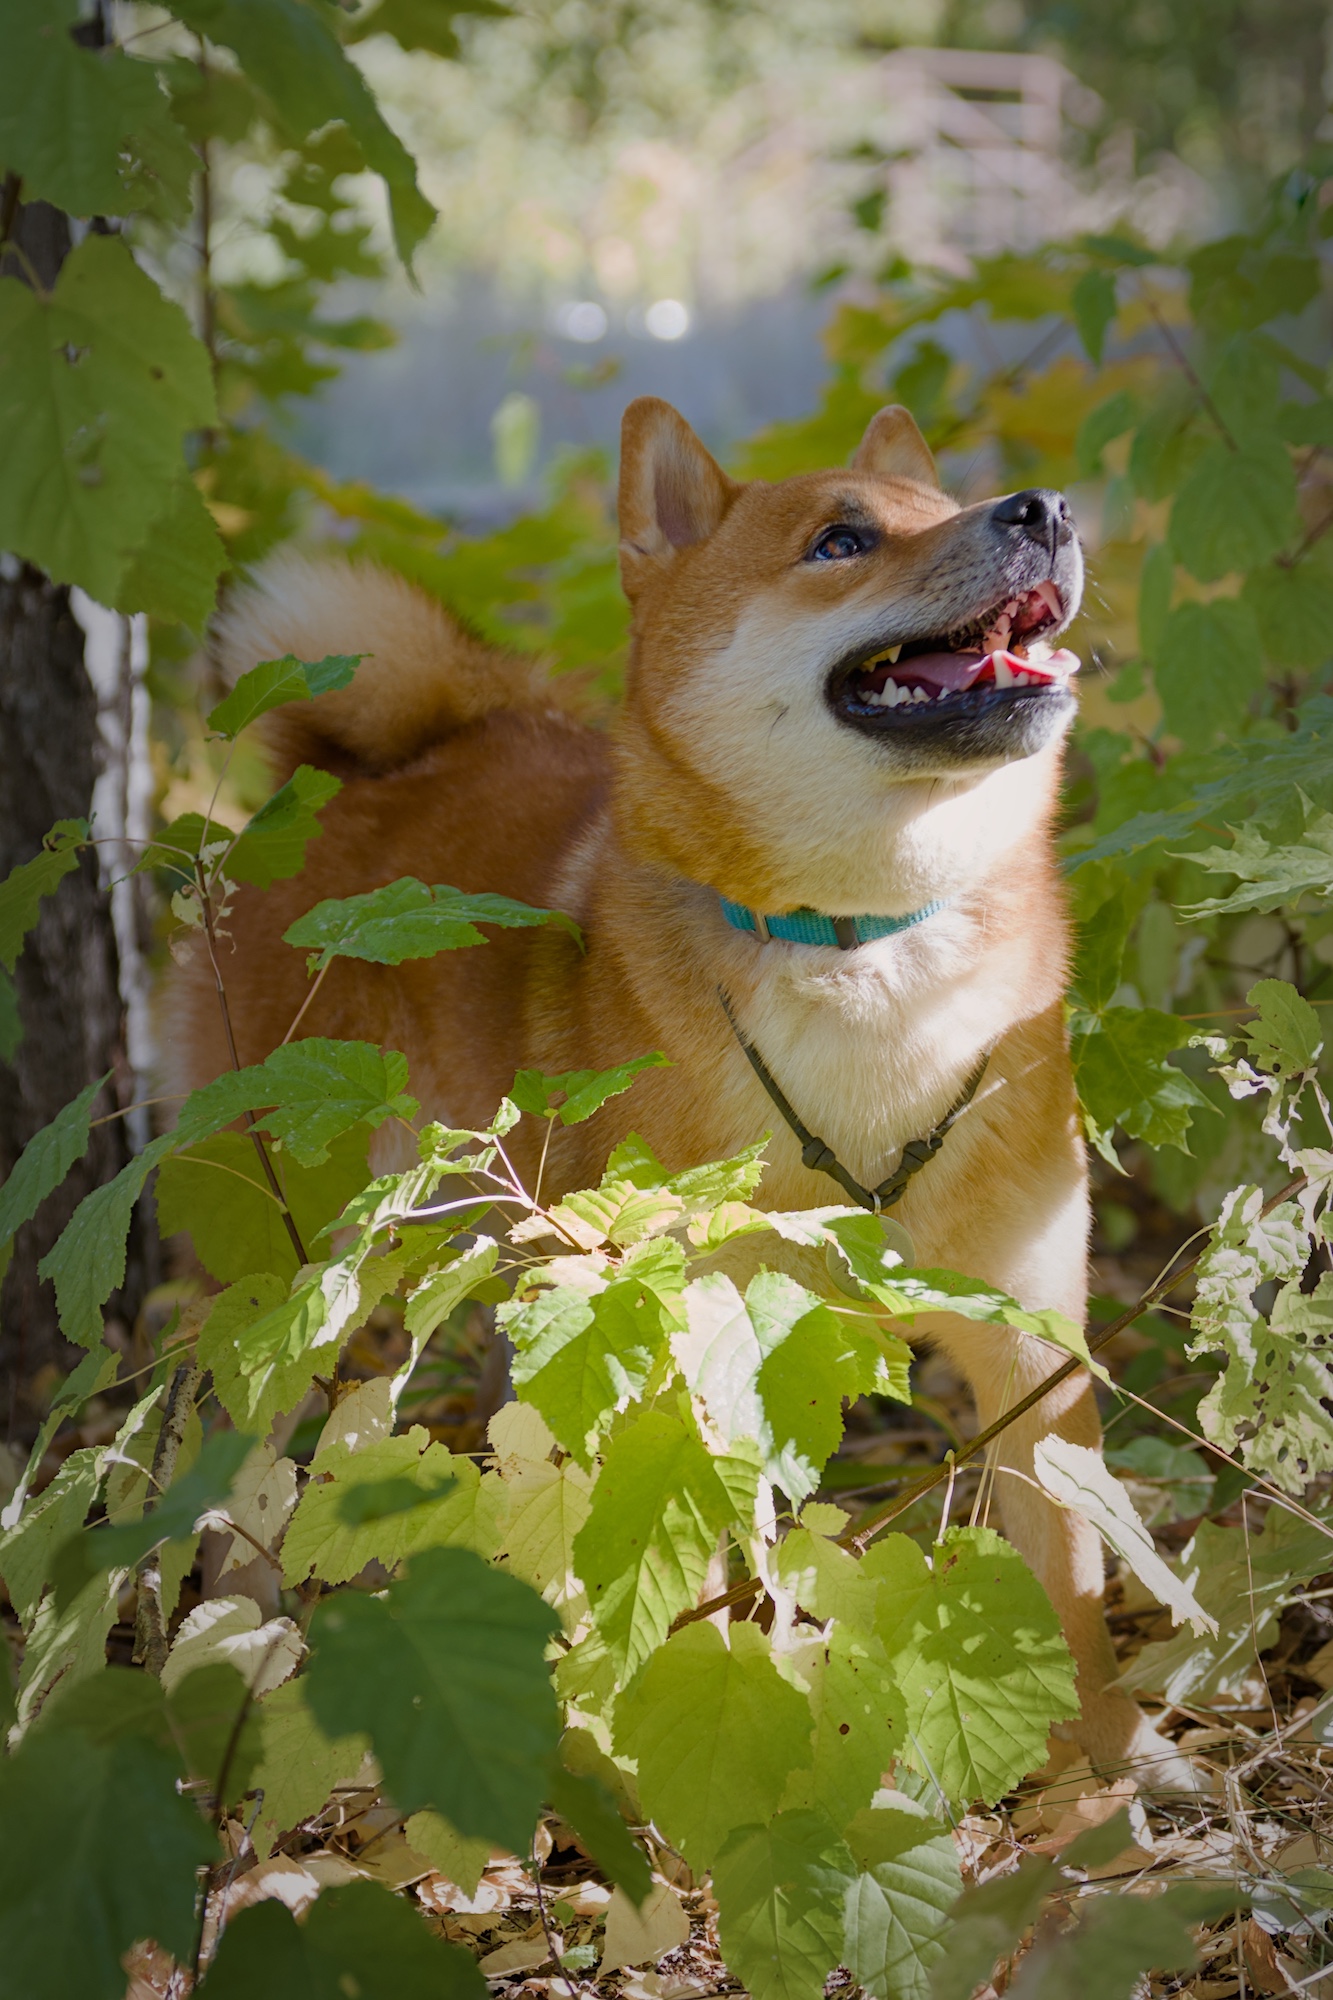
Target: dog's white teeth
[1004,673]
[1038,649]
[919,694]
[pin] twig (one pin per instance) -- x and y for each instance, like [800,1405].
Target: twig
[1192,376]
[858,1539]
[150,1627]
[570,1987]
[260,1148]
[300,1012]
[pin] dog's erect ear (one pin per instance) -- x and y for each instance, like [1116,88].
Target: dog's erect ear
[672,491]
[893,448]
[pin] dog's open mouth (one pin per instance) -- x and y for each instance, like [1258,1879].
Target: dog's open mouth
[1002,650]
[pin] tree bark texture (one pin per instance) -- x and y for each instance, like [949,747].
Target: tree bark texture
[67,976]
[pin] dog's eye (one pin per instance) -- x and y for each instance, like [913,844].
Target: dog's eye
[836,544]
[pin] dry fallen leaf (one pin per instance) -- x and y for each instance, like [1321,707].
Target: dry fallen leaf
[523,1955]
[642,1936]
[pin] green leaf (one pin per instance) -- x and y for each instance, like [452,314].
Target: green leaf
[1093,304]
[658,1509]
[422,24]
[273,683]
[858,1716]
[360,1940]
[1244,1581]
[98,385]
[408,920]
[96,1371]
[67,1642]
[1207,664]
[289,53]
[1287,1036]
[23,888]
[386,1501]
[1108,420]
[898,1911]
[1293,608]
[463,1861]
[827,1581]
[216,1189]
[218,1729]
[595,1818]
[27,1550]
[979,1656]
[1235,510]
[1123,1077]
[548,1505]
[716,1731]
[988,1923]
[1272,873]
[580,1091]
[318,1089]
[780,1891]
[100,1851]
[255,1343]
[87,1260]
[45,1160]
[579,1357]
[208,1481]
[1157,581]
[1270,1406]
[175,572]
[445,1673]
[271,846]
[11,1023]
[300,1765]
[436,1296]
[91,133]
[1103,1958]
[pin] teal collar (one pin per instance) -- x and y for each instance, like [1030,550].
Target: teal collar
[813,927]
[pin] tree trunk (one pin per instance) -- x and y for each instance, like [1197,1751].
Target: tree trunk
[68,975]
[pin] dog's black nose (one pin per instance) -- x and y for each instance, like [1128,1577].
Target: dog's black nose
[1041,514]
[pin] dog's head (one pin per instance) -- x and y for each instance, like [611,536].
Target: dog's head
[823,664]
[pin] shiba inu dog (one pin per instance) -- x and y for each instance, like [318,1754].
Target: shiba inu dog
[830,794]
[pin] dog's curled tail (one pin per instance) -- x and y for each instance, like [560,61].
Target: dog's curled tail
[423,676]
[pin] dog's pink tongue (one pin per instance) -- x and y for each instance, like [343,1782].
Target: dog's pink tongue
[950,671]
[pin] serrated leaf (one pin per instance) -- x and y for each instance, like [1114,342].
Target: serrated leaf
[23,888]
[826,1581]
[1077,1477]
[174,573]
[1293,608]
[1272,873]
[988,1923]
[384,1503]
[1207,664]
[716,1732]
[309,1091]
[215,1725]
[1235,509]
[858,1716]
[979,1656]
[898,1910]
[1270,1406]
[216,1189]
[45,1160]
[780,1892]
[26,1551]
[90,132]
[422,24]
[445,1672]
[580,1357]
[96,1371]
[1124,1080]
[1287,1036]
[548,1506]
[463,1862]
[98,385]
[273,683]
[271,845]
[436,1296]
[101,1850]
[658,1508]
[289,53]
[300,1765]
[360,1939]
[67,1642]
[580,1091]
[406,919]
[87,1260]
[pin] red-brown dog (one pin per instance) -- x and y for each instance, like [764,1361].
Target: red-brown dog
[840,702]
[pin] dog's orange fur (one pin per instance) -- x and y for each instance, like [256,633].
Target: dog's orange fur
[725,774]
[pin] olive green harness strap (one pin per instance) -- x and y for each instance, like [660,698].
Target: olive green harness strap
[821,1158]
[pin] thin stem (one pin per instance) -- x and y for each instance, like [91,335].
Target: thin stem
[1303,548]
[1192,376]
[260,1148]
[172,1097]
[300,1012]
[9,207]
[150,1626]
[570,1988]
[541,1164]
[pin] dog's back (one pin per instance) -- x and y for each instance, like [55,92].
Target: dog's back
[457,768]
